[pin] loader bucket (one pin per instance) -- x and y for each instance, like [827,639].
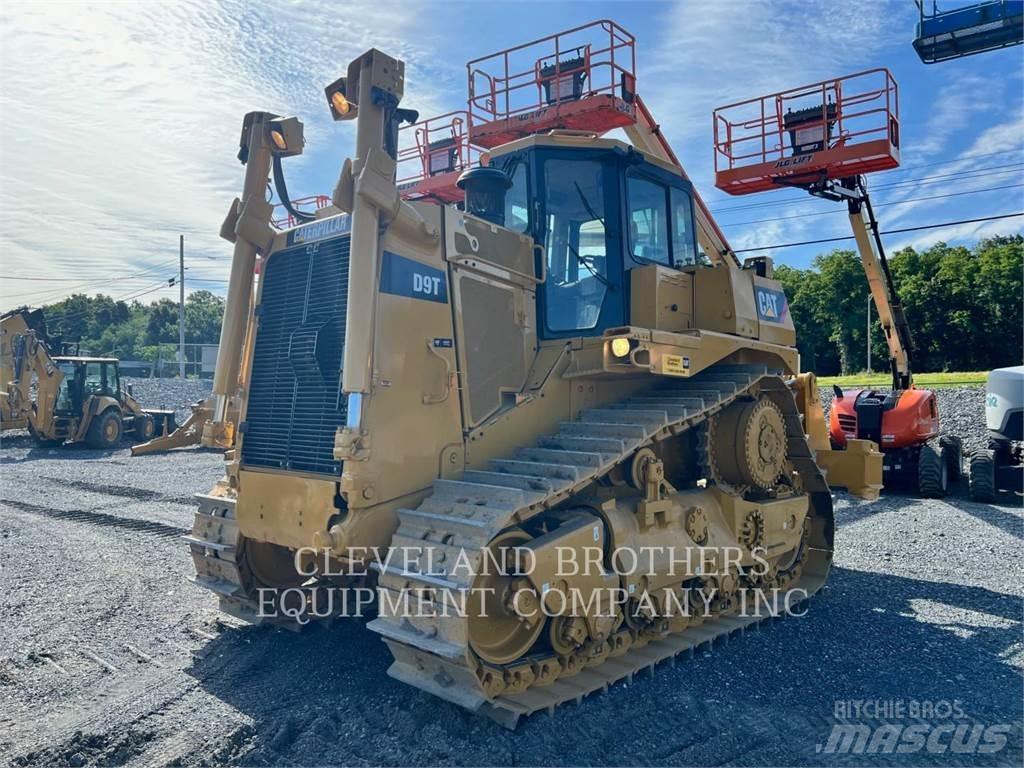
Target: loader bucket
[164,420]
[170,437]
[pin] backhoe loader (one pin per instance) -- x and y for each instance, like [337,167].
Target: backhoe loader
[67,397]
[571,362]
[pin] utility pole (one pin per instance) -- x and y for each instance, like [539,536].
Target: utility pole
[869,332]
[181,306]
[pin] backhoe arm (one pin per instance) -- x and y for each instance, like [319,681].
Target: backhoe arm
[645,134]
[30,355]
[883,291]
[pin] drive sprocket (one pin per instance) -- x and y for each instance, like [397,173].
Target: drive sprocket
[747,445]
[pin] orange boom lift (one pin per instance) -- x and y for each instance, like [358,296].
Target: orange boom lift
[824,138]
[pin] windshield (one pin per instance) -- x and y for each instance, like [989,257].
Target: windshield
[576,243]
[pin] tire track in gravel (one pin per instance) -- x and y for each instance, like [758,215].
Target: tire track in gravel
[91,517]
[127,492]
[91,736]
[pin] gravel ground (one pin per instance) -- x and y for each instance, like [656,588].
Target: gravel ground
[170,393]
[108,656]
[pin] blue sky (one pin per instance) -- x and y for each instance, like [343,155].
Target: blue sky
[122,119]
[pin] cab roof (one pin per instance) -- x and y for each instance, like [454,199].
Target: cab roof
[578,140]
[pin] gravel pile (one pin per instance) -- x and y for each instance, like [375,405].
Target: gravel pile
[178,394]
[961,413]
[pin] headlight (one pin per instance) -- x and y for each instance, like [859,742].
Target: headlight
[620,346]
[340,103]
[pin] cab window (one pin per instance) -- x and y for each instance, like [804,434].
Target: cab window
[94,379]
[684,241]
[517,200]
[112,379]
[576,241]
[648,224]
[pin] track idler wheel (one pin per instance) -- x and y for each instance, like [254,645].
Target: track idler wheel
[749,444]
[498,632]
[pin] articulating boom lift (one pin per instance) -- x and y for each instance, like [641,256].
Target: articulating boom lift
[850,128]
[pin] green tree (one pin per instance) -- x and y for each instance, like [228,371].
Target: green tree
[203,313]
[963,306]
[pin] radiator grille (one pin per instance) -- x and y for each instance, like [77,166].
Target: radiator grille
[295,403]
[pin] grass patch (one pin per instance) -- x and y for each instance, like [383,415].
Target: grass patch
[923,380]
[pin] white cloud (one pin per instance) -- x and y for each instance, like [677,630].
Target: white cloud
[993,159]
[716,53]
[122,124]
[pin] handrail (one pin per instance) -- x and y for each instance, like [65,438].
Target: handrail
[832,129]
[511,82]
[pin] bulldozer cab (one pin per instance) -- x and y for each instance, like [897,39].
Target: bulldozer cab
[599,214]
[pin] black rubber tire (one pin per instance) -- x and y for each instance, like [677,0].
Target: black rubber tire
[983,475]
[101,433]
[932,472]
[954,457]
[145,428]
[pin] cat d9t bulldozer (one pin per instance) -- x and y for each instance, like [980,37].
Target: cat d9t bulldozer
[572,359]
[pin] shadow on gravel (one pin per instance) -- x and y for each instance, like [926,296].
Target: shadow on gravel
[81,451]
[768,698]
[66,452]
[1006,521]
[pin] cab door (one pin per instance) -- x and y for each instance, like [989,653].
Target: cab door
[578,224]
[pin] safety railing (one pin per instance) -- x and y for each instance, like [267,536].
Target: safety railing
[834,128]
[965,31]
[587,74]
[432,153]
[302,204]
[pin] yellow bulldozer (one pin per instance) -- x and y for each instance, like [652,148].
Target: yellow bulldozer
[547,352]
[66,397]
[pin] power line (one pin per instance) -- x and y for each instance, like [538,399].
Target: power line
[52,295]
[132,297]
[886,232]
[916,166]
[876,205]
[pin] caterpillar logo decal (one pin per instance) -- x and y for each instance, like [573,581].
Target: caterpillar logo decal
[772,306]
[321,229]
